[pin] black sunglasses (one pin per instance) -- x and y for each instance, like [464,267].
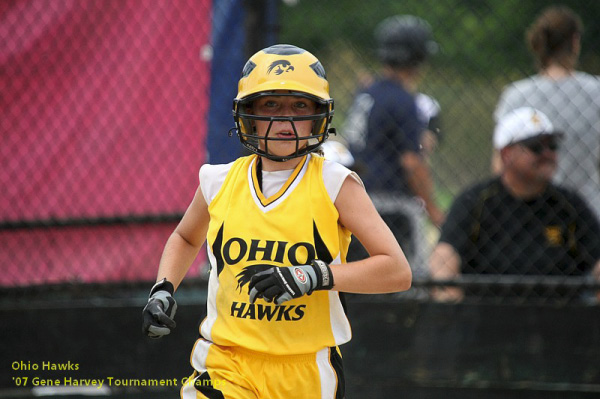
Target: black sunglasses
[537,145]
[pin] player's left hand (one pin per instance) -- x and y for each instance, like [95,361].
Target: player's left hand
[280,284]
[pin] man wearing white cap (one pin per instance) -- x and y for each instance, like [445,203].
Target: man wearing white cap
[519,223]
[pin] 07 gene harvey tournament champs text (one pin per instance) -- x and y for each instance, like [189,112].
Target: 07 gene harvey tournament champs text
[27,377]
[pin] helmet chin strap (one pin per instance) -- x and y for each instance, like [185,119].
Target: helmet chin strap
[284,158]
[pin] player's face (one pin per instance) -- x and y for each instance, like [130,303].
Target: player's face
[283,106]
[536,159]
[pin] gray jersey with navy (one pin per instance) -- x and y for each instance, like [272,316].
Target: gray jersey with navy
[573,106]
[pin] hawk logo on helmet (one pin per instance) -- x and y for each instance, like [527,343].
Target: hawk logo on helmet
[280,66]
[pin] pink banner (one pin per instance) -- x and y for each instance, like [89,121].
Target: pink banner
[102,113]
[92,254]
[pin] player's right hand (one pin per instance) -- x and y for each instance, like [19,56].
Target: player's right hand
[160,310]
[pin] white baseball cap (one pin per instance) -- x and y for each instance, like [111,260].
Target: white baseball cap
[521,124]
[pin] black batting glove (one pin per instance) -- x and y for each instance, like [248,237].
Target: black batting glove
[160,310]
[280,284]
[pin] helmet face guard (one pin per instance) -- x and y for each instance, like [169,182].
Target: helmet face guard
[282,70]
[259,144]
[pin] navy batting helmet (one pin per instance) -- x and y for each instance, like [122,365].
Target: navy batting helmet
[404,41]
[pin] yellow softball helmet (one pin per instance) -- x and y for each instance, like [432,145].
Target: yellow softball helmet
[283,70]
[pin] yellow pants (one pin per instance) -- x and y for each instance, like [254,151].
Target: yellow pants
[237,373]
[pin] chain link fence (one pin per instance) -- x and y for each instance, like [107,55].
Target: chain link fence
[103,126]
[482,49]
[91,196]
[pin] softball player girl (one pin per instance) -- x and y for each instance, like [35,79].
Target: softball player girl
[277,226]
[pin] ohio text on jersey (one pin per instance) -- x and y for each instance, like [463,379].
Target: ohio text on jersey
[250,232]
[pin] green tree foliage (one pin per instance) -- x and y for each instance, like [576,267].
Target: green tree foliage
[482,48]
[476,36]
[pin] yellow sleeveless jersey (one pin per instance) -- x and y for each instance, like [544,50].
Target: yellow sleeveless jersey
[249,233]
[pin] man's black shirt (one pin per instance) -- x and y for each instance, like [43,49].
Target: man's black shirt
[496,233]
